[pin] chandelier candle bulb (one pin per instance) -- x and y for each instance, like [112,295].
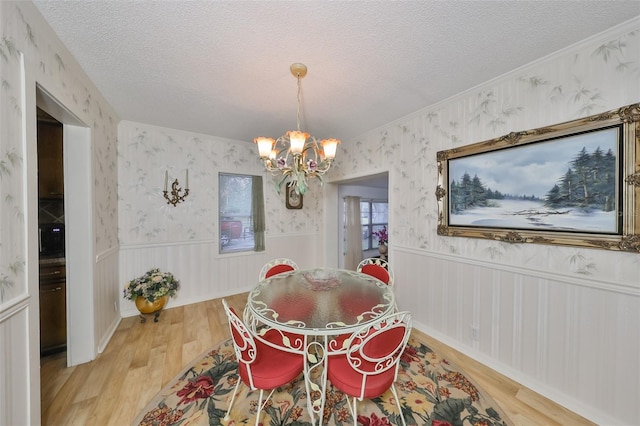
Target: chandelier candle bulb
[296,141]
[330,146]
[186,185]
[265,147]
[166,180]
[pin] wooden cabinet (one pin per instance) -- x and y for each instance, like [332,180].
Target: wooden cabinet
[53,308]
[50,166]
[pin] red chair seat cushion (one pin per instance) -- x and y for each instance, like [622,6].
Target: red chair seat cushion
[272,368]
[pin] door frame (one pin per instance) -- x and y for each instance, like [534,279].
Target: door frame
[365,186]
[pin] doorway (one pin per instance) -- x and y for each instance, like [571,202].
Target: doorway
[78,230]
[51,232]
[375,186]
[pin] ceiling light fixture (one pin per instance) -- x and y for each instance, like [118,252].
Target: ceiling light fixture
[297,155]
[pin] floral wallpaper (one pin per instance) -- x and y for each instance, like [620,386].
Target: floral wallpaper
[589,79]
[25,43]
[12,169]
[146,153]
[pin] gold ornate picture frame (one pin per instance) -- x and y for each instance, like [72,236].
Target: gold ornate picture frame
[576,183]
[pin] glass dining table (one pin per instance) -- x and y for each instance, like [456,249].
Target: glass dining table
[320,307]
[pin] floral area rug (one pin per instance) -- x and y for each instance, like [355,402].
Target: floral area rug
[432,391]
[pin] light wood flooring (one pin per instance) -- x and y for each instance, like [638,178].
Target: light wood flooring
[142,357]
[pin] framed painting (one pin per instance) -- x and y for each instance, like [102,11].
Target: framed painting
[576,183]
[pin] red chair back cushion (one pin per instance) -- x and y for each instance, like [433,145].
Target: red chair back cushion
[278,269]
[376,271]
[382,344]
[348,380]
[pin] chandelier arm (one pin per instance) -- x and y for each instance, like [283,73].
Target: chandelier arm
[322,168]
[268,164]
[284,171]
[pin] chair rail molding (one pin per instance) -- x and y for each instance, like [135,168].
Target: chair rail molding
[579,280]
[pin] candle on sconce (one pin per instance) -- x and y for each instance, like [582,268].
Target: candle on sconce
[177,194]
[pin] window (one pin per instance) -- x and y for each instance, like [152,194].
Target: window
[240,212]
[374,215]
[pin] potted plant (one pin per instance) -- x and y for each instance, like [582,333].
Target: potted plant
[151,290]
[383,237]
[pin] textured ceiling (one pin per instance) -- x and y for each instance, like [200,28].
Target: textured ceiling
[222,68]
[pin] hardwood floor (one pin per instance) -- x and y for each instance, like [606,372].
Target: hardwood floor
[142,357]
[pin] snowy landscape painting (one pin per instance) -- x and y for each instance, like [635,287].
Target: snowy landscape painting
[568,184]
[575,183]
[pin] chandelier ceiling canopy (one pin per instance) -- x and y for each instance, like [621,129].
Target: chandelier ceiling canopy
[297,156]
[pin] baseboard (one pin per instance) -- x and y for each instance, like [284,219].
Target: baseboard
[108,335]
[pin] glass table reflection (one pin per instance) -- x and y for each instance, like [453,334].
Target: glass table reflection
[319,305]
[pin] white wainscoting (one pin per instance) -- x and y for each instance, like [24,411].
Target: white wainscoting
[107,296]
[576,341]
[203,273]
[15,392]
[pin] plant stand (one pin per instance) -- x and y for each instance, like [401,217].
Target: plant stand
[143,317]
[147,307]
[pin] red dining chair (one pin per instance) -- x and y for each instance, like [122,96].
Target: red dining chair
[263,361]
[368,364]
[277,266]
[377,268]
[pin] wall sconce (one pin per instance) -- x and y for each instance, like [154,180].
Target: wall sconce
[175,190]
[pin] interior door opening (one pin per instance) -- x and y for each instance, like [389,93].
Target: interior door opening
[51,235]
[372,187]
[77,205]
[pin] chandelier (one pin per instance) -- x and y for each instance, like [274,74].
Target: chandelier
[297,156]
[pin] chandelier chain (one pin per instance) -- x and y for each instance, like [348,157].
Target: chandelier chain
[298,99]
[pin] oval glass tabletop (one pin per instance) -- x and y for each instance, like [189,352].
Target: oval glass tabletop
[320,300]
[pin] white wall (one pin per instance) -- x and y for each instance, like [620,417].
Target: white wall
[30,55]
[561,320]
[184,239]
